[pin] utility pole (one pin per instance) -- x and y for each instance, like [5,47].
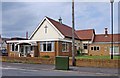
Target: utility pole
[73,37]
[112,1]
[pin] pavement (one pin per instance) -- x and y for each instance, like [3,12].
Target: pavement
[20,69]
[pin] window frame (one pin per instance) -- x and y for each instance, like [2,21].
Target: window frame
[14,47]
[95,48]
[85,45]
[46,46]
[66,47]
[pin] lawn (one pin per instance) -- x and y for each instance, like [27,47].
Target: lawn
[96,57]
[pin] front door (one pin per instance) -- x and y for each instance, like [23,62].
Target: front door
[25,50]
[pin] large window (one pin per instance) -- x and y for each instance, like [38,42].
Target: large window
[32,48]
[14,47]
[47,46]
[115,50]
[85,46]
[65,47]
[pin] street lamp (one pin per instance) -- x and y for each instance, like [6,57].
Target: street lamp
[112,1]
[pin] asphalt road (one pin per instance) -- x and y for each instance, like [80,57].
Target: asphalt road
[19,69]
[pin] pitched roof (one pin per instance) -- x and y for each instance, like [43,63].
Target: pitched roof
[18,38]
[64,29]
[108,38]
[85,34]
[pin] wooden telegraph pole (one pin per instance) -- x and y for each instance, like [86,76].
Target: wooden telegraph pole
[73,37]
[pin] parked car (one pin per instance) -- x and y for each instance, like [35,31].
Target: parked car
[4,52]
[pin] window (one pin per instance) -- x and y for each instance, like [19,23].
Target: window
[95,48]
[47,46]
[115,50]
[65,47]
[91,48]
[32,48]
[14,47]
[45,29]
[85,46]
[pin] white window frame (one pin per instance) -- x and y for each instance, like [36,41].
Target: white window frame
[95,47]
[85,45]
[115,53]
[66,47]
[52,46]
[14,47]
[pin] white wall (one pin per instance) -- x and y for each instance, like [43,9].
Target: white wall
[51,32]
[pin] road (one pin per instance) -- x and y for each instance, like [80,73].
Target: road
[19,69]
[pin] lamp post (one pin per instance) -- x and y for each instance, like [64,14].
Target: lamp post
[73,40]
[112,1]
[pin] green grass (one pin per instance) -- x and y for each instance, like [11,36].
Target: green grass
[96,57]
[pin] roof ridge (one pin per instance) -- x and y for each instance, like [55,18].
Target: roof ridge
[64,27]
[84,29]
[58,22]
[108,34]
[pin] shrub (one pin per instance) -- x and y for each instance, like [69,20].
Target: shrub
[46,56]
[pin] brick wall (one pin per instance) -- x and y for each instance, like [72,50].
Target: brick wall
[14,54]
[51,54]
[33,60]
[104,63]
[104,49]
[58,50]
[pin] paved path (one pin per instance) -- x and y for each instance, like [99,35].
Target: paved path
[19,69]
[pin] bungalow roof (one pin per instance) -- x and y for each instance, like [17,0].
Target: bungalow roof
[85,34]
[107,38]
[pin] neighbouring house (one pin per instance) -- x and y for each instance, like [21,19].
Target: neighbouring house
[3,46]
[87,37]
[53,38]
[102,44]
[3,43]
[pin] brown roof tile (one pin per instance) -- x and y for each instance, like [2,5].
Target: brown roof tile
[64,29]
[108,38]
[85,34]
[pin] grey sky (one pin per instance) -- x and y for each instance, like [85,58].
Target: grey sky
[19,17]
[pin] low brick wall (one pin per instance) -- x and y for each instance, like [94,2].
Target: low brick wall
[107,63]
[103,63]
[36,60]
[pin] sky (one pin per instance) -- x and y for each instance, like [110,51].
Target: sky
[19,17]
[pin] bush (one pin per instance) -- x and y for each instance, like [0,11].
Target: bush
[46,56]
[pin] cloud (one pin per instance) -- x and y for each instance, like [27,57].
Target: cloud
[94,15]
[57,0]
[19,17]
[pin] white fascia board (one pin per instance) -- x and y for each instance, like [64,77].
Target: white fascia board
[56,29]
[34,41]
[64,40]
[37,28]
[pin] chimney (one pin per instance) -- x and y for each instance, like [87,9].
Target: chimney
[27,35]
[106,32]
[60,20]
